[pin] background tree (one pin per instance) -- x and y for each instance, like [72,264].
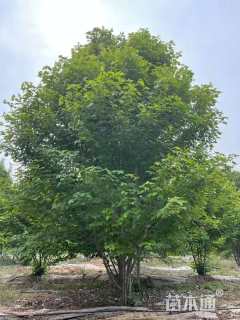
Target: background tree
[28,226]
[230,240]
[5,198]
[203,183]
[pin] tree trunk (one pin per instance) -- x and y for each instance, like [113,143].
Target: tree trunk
[138,271]
[119,270]
[236,253]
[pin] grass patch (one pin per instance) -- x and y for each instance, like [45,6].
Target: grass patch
[212,286]
[171,261]
[224,266]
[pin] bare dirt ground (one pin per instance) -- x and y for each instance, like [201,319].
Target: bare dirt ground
[69,287]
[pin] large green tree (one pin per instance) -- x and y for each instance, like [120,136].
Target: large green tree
[98,121]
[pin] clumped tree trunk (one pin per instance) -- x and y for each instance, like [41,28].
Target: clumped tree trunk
[236,253]
[119,270]
[199,251]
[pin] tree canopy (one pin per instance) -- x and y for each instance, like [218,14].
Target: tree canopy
[118,102]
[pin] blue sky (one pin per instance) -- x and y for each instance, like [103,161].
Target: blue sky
[34,32]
